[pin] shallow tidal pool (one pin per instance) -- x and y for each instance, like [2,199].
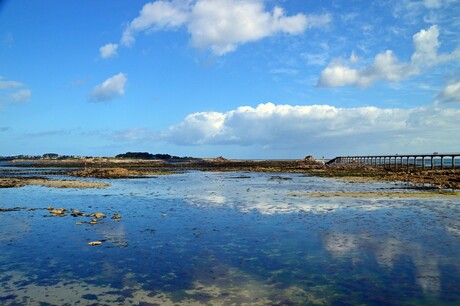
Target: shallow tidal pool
[235,238]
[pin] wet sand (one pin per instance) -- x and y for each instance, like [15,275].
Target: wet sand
[24,181]
[400,195]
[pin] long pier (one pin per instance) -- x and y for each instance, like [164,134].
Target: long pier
[401,161]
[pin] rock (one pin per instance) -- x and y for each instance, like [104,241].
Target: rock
[98,215]
[57,211]
[116,217]
[94,243]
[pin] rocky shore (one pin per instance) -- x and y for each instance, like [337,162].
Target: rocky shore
[113,168]
[440,179]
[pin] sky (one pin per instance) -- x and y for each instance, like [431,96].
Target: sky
[248,79]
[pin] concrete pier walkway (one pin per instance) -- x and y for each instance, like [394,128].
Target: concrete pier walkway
[424,161]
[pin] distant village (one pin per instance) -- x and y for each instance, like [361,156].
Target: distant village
[44,156]
[130,155]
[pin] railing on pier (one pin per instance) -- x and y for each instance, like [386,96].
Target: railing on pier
[431,161]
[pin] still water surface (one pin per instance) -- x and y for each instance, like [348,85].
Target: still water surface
[229,238]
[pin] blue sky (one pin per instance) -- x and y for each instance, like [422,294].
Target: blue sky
[232,78]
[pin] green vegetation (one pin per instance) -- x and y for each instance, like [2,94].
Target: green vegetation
[146,155]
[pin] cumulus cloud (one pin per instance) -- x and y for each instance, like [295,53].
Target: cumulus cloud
[220,25]
[108,50]
[111,88]
[285,126]
[386,66]
[223,25]
[156,16]
[451,92]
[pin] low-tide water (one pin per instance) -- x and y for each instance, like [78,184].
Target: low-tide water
[230,239]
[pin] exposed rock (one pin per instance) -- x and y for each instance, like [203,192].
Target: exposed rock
[58,212]
[97,215]
[95,243]
[105,173]
[309,158]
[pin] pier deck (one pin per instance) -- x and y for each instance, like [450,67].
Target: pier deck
[431,161]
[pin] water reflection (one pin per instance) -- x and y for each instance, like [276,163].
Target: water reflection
[387,253]
[228,239]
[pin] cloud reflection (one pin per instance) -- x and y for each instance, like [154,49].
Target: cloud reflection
[386,252]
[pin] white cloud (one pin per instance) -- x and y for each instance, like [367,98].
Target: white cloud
[354,58]
[285,126]
[221,25]
[386,65]
[412,10]
[432,4]
[111,88]
[336,75]
[132,135]
[156,16]
[21,96]
[8,85]
[318,59]
[451,92]
[108,50]
[197,128]
[15,91]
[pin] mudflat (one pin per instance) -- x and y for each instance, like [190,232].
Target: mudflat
[391,195]
[113,168]
[25,181]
